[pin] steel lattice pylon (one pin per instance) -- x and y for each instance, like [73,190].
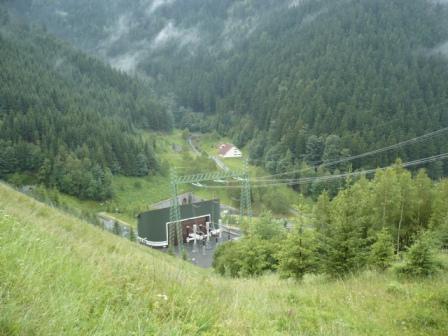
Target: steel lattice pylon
[175,228]
[174,214]
[245,200]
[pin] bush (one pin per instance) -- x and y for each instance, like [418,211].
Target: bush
[266,228]
[420,259]
[442,234]
[245,258]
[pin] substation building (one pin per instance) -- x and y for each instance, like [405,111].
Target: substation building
[198,220]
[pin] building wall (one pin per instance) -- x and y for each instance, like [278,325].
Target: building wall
[152,225]
[233,153]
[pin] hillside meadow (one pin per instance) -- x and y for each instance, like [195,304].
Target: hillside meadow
[61,276]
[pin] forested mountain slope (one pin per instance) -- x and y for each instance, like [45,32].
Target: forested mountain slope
[318,79]
[67,118]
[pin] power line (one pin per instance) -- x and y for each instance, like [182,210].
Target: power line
[354,157]
[431,107]
[326,178]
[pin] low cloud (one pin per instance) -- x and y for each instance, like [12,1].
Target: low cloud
[156,4]
[61,13]
[441,49]
[170,33]
[127,62]
[295,3]
[121,29]
[237,30]
[312,17]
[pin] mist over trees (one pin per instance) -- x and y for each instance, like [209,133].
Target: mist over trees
[69,119]
[297,82]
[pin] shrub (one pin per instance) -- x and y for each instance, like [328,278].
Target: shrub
[420,259]
[245,258]
[266,228]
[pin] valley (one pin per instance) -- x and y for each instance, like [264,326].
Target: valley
[133,195]
[305,142]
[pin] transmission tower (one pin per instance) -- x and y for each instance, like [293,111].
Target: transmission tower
[175,223]
[245,199]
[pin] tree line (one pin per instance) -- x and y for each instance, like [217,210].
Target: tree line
[295,84]
[396,220]
[330,79]
[68,119]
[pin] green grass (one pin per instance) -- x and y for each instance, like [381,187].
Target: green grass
[210,142]
[61,276]
[133,195]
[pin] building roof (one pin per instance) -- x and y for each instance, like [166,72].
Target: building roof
[184,198]
[225,148]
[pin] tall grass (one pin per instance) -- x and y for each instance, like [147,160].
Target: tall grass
[62,276]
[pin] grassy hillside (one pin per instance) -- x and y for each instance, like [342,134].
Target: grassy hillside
[62,276]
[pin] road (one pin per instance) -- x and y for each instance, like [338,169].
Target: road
[193,147]
[221,165]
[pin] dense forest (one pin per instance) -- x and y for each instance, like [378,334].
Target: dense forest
[68,119]
[298,82]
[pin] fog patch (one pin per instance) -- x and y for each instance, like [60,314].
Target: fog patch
[61,13]
[237,30]
[170,33]
[312,17]
[156,4]
[441,50]
[295,3]
[238,27]
[58,63]
[127,62]
[121,29]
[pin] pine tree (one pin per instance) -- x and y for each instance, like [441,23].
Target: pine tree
[420,259]
[322,212]
[298,254]
[382,250]
[344,245]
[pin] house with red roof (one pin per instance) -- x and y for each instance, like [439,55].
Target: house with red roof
[229,151]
